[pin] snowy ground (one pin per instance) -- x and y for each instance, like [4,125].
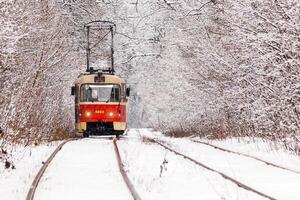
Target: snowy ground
[84,169]
[87,169]
[263,149]
[160,174]
[272,181]
[14,184]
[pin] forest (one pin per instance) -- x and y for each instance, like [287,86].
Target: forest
[211,68]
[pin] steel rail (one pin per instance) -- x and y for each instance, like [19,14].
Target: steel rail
[31,192]
[238,183]
[247,155]
[125,177]
[129,185]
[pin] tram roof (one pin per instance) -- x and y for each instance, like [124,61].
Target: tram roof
[90,78]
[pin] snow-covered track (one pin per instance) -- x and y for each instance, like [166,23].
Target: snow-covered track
[31,192]
[248,156]
[38,177]
[238,183]
[126,179]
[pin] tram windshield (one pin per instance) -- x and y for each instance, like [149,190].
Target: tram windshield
[99,93]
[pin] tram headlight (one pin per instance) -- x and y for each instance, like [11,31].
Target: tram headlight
[88,114]
[110,114]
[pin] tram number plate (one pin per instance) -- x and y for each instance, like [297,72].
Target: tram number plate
[99,111]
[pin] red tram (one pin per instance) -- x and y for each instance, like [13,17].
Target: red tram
[100,104]
[100,96]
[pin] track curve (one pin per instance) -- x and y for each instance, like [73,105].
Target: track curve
[248,156]
[238,183]
[31,192]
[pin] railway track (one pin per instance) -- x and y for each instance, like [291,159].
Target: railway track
[248,156]
[233,180]
[131,188]
[35,183]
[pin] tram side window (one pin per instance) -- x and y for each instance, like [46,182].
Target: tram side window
[83,93]
[115,94]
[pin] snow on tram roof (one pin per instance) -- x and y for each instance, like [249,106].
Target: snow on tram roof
[90,78]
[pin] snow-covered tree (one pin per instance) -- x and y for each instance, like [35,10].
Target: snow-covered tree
[213,67]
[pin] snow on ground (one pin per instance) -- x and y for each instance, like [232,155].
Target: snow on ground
[272,181]
[87,169]
[263,149]
[84,169]
[159,174]
[15,183]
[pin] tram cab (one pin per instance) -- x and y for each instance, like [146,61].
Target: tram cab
[100,104]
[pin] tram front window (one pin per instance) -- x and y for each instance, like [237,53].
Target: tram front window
[100,93]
